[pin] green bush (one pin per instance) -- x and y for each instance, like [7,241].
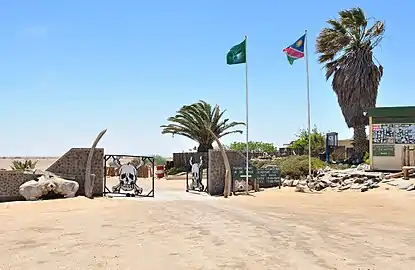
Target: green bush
[23,165]
[366,158]
[174,170]
[293,166]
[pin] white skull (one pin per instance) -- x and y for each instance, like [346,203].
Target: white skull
[128,177]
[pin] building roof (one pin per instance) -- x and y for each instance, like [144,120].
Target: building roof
[391,111]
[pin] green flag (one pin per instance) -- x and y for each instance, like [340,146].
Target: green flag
[237,54]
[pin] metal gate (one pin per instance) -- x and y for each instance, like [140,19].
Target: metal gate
[197,174]
[129,176]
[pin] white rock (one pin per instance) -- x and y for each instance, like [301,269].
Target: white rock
[34,190]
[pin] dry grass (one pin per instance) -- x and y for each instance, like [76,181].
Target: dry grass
[276,229]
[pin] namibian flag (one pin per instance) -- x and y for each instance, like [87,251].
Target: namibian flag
[296,50]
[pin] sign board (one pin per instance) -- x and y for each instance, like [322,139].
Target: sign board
[384,150]
[405,133]
[239,173]
[265,177]
[383,134]
[239,178]
[269,177]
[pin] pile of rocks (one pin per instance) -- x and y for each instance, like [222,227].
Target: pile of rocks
[340,180]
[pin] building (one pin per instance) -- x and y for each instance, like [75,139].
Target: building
[391,130]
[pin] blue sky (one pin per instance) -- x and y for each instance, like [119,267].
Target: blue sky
[68,69]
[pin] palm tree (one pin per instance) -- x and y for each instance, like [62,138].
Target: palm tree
[346,47]
[195,122]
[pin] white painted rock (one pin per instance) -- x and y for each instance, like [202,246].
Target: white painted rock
[34,190]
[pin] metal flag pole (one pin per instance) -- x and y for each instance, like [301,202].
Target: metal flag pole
[308,105]
[246,119]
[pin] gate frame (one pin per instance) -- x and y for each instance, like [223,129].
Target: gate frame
[189,170]
[143,158]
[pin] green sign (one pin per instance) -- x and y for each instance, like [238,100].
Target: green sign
[269,177]
[266,177]
[238,173]
[383,150]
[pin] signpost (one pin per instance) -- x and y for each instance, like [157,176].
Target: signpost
[258,178]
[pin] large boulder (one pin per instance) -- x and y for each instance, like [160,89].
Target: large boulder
[48,183]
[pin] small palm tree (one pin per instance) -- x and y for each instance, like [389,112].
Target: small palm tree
[23,165]
[346,49]
[195,122]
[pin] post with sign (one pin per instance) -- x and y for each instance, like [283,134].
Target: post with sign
[239,177]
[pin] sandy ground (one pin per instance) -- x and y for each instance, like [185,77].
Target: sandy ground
[274,229]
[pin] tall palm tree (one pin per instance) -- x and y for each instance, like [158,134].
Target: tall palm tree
[345,47]
[195,122]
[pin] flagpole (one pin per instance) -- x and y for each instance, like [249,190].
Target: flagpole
[308,105]
[246,116]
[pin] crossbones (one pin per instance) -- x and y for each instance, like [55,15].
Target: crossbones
[196,176]
[128,179]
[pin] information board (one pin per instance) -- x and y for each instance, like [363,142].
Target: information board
[383,134]
[385,150]
[239,172]
[405,133]
[269,177]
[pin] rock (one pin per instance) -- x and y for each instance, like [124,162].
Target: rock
[295,183]
[403,185]
[392,183]
[288,183]
[411,187]
[358,180]
[374,185]
[356,186]
[364,188]
[348,182]
[334,185]
[345,187]
[48,183]
[336,179]
[300,188]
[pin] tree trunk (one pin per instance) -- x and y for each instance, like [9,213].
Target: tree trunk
[89,180]
[204,147]
[361,145]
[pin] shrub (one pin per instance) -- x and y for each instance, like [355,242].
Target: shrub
[158,160]
[366,158]
[23,165]
[293,166]
[174,170]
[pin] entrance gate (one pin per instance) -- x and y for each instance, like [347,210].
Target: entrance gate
[196,179]
[129,176]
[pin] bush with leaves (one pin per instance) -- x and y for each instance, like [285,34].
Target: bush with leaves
[174,170]
[318,142]
[292,166]
[366,158]
[19,165]
[158,160]
[254,147]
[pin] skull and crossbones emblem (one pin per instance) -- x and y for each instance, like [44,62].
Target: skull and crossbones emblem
[196,175]
[128,179]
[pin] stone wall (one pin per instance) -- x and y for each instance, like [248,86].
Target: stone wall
[10,182]
[181,160]
[72,163]
[216,169]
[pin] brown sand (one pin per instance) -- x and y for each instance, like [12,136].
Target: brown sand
[276,229]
